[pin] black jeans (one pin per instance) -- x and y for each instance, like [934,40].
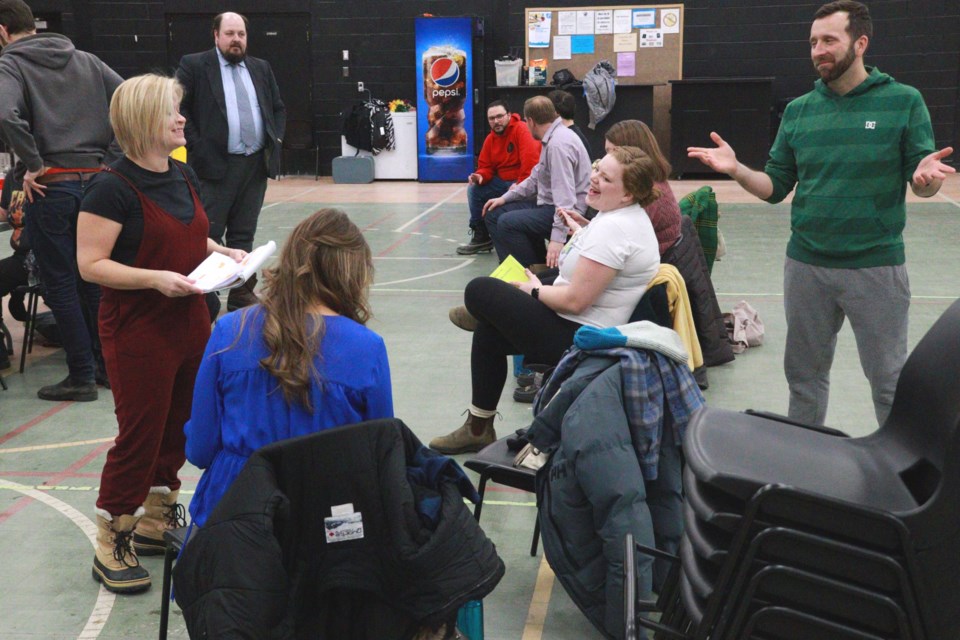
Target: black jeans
[510,322]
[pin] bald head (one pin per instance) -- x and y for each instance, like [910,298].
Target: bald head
[230,36]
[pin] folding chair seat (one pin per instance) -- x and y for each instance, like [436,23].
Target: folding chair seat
[495,462]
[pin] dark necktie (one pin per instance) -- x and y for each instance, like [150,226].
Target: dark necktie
[248,132]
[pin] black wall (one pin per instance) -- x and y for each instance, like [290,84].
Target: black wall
[917,41]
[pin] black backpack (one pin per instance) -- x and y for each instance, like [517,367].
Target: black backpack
[368,126]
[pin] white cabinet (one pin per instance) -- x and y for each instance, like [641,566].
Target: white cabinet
[399,163]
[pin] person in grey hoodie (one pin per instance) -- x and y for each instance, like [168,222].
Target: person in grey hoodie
[54,115]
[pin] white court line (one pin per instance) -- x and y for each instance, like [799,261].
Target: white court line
[780,295]
[302,193]
[445,200]
[414,258]
[428,275]
[948,199]
[104,604]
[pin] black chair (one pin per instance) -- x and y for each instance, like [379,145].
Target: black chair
[495,462]
[174,540]
[30,326]
[299,136]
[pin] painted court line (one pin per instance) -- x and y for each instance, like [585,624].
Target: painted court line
[442,202]
[32,423]
[427,275]
[948,199]
[537,613]
[58,445]
[104,604]
[291,198]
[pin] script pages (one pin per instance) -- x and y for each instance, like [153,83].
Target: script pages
[221,272]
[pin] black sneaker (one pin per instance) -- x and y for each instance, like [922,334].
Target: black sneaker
[67,390]
[479,243]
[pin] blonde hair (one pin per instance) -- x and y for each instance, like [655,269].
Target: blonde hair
[639,173]
[139,109]
[634,133]
[326,260]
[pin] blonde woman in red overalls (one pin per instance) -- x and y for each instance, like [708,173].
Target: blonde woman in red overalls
[141,228]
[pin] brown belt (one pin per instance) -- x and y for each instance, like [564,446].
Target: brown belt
[67,176]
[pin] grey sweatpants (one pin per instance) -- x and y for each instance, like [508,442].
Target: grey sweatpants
[816,301]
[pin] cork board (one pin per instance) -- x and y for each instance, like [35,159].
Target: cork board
[643,42]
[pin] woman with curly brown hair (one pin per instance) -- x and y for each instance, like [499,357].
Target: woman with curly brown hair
[299,362]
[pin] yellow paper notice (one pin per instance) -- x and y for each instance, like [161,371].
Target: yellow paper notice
[510,271]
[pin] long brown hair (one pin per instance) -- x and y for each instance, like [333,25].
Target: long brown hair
[634,133]
[326,260]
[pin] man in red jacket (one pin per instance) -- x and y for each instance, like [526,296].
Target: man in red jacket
[508,155]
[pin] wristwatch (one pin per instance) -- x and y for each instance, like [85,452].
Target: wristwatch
[535,292]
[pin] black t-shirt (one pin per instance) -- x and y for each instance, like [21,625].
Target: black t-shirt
[109,196]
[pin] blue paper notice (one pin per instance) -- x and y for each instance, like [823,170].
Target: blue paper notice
[644,18]
[581,44]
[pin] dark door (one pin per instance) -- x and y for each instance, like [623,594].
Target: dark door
[282,39]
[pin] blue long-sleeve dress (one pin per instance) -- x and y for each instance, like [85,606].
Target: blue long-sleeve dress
[238,406]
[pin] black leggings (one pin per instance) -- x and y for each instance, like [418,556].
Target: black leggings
[510,322]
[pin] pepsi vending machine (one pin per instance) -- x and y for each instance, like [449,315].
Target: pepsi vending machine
[450,64]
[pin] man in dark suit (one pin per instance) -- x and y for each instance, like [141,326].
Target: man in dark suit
[234,131]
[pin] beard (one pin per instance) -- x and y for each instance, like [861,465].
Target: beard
[231,55]
[839,66]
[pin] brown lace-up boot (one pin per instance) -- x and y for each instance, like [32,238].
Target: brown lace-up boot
[162,513]
[115,564]
[475,434]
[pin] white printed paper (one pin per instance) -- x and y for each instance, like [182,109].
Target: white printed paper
[621,21]
[651,38]
[566,23]
[561,48]
[539,29]
[670,20]
[603,22]
[644,18]
[585,23]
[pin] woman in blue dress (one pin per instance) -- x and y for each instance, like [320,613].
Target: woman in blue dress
[299,362]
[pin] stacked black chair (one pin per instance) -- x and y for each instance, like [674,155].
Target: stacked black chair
[801,532]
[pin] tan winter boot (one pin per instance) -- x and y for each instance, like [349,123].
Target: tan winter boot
[464,440]
[115,564]
[162,513]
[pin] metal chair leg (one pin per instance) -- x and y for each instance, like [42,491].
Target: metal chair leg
[168,557]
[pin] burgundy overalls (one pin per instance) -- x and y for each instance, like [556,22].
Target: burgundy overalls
[152,347]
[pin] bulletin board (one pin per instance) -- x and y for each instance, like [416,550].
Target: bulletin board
[644,43]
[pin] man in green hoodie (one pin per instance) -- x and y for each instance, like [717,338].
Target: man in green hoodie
[850,147]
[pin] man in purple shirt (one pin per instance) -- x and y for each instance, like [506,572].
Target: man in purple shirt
[521,219]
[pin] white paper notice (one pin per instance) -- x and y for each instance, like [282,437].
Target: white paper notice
[539,29]
[585,23]
[621,21]
[624,42]
[670,20]
[561,47]
[604,22]
[566,23]
[651,38]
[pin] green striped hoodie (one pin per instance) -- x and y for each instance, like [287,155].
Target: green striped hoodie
[850,158]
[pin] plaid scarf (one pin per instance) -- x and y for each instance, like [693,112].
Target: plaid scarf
[656,390]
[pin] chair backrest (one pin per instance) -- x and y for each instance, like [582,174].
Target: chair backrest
[922,434]
[298,135]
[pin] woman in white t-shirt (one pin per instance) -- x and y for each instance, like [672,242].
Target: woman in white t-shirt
[604,271]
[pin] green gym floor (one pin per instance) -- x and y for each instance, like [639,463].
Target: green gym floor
[51,453]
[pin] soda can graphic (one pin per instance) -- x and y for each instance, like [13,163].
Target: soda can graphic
[444,90]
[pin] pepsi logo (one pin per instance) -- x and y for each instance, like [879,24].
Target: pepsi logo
[444,72]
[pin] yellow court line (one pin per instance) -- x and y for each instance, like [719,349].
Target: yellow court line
[58,445]
[537,613]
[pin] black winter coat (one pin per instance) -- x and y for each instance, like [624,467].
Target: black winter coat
[687,256]
[262,566]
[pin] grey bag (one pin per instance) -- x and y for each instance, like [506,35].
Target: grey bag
[599,88]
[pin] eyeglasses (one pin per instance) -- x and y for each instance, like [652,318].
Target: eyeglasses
[500,116]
